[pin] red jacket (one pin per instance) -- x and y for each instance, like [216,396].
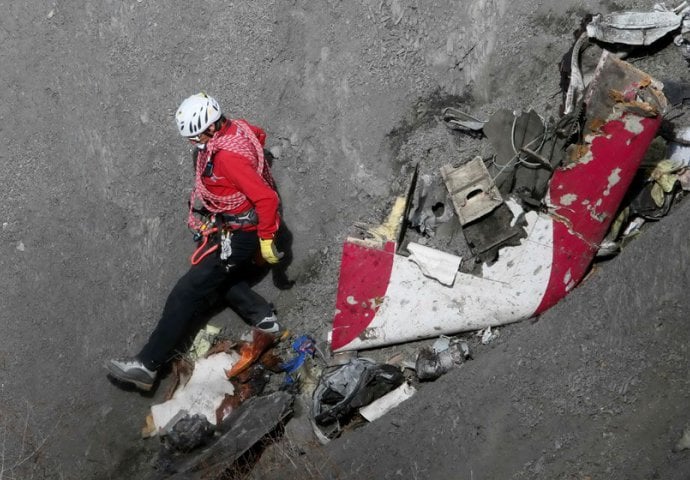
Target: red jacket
[233,173]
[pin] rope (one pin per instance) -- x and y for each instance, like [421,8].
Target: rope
[515,150]
[517,156]
[244,143]
[199,254]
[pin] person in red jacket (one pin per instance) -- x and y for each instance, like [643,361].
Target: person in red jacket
[234,187]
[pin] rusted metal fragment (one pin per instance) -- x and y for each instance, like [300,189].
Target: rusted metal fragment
[617,140]
[605,92]
[578,153]
[595,124]
[635,107]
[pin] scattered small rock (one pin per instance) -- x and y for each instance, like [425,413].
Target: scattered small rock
[684,442]
[276,151]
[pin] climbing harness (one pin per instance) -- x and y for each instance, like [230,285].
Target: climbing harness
[225,224]
[244,142]
[240,220]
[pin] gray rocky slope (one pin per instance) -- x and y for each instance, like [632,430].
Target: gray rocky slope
[93,236]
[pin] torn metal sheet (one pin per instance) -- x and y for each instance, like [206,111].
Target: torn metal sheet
[585,195]
[633,28]
[458,120]
[243,428]
[202,394]
[576,86]
[472,190]
[383,297]
[496,230]
[676,92]
[425,197]
[434,263]
[487,335]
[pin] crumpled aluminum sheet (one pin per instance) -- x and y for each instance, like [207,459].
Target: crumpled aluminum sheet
[633,28]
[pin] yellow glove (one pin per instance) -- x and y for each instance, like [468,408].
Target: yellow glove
[269,250]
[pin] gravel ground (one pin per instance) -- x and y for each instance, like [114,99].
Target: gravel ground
[93,237]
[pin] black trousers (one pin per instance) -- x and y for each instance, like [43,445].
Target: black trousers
[194,291]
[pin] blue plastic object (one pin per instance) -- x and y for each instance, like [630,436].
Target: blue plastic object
[304,346]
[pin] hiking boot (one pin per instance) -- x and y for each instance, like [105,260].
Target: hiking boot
[269,325]
[131,370]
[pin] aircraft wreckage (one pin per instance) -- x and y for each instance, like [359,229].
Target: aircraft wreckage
[392,291]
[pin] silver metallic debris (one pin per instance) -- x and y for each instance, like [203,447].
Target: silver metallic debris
[458,120]
[444,354]
[633,28]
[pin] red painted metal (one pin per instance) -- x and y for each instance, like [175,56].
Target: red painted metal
[615,152]
[623,116]
[364,277]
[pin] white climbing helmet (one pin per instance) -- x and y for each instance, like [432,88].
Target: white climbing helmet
[196,114]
